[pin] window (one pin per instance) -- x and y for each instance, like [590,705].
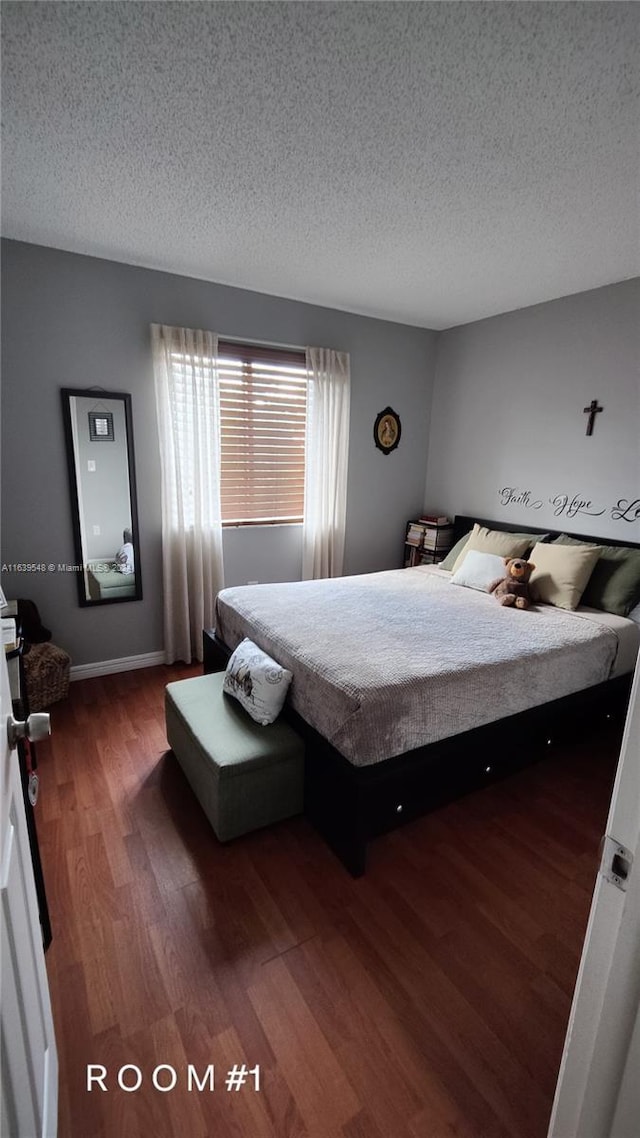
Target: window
[247,435]
[263,412]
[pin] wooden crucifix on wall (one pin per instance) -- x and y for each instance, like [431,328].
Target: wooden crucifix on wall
[592,410]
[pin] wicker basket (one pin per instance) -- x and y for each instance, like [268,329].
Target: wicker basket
[46,675]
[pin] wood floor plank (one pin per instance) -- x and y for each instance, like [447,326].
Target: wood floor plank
[435,1060]
[325,1098]
[75,1046]
[188,1112]
[197,954]
[245,1107]
[144,997]
[364,1125]
[448,1013]
[428,999]
[144,886]
[374,1071]
[114,829]
[105,992]
[169,858]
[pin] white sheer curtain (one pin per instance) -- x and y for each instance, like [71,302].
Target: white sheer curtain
[327,457]
[187,400]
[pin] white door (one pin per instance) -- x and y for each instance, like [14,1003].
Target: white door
[598,1091]
[29,1076]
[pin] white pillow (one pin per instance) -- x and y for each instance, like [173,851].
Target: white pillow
[124,559]
[258,683]
[479,570]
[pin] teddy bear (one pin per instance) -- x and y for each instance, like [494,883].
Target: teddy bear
[513,588]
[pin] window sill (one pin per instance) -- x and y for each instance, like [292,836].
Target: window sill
[261,525]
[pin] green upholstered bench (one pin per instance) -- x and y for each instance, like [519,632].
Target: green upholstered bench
[106,583]
[243,775]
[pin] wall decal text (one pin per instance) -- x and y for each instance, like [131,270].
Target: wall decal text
[626,511]
[571,506]
[512,496]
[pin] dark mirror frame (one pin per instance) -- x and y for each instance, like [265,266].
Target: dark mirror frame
[98,394]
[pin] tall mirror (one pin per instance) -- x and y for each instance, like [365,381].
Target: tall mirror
[99,440]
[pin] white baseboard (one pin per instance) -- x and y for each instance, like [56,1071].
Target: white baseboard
[123,664]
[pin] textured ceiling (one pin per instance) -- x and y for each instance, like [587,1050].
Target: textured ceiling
[430,163]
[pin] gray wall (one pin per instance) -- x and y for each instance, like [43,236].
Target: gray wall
[508,414]
[72,321]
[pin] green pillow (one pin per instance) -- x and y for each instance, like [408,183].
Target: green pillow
[452,555]
[614,585]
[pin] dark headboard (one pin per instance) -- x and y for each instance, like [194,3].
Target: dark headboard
[462,523]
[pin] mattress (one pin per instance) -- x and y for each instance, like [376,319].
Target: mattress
[386,662]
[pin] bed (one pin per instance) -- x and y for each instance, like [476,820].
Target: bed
[409,692]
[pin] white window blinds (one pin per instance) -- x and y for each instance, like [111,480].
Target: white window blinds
[263,410]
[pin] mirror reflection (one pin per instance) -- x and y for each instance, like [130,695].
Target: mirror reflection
[101,471]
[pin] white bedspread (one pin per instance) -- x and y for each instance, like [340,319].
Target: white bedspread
[385,662]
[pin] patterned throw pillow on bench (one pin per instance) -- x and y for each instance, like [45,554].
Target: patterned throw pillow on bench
[259,683]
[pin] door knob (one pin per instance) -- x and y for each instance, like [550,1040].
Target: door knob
[34,728]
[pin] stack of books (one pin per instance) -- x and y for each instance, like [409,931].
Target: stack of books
[437,538]
[415,534]
[428,539]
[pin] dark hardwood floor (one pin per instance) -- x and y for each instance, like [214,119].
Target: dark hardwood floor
[428,999]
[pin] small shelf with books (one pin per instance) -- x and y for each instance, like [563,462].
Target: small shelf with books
[428,540]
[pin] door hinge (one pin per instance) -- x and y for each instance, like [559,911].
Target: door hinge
[616,862]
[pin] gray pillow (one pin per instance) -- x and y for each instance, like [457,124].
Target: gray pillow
[452,555]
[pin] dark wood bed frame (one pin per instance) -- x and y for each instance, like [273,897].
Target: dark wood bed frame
[349,805]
